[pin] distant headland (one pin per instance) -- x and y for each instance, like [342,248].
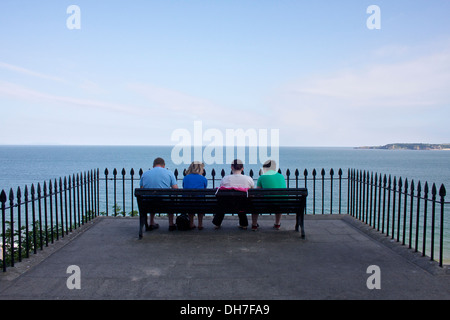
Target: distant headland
[409,146]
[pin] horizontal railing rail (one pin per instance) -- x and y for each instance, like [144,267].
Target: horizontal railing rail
[399,209]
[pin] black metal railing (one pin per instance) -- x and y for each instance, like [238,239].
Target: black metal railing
[401,210]
[408,214]
[325,199]
[43,215]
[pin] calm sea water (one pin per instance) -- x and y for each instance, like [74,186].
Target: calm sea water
[24,165]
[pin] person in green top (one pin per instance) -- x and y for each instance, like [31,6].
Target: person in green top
[269,179]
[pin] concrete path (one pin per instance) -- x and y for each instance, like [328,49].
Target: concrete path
[332,263]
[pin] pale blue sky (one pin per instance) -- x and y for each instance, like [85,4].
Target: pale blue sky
[138,70]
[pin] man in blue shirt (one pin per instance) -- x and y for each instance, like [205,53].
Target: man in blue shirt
[159,177]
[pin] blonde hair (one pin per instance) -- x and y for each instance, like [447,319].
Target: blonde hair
[196,167]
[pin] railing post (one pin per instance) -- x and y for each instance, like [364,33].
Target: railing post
[357,194]
[340,189]
[411,209]
[384,203]
[404,210]
[74,193]
[305,174]
[106,189]
[350,192]
[50,188]
[331,190]
[115,196]
[351,196]
[132,189]
[371,199]
[442,194]
[123,190]
[97,198]
[367,201]
[56,210]
[80,217]
[82,199]
[69,189]
[400,184]
[27,240]
[360,188]
[91,195]
[419,190]
[375,197]
[323,189]
[61,207]
[3,201]
[388,205]
[393,206]
[40,216]
[45,214]
[213,175]
[314,173]
[380,185]
[425,210]
[11,211]
[65,205]
[288,174]
[19,221]
[33,219]
[433,218]
[363,198]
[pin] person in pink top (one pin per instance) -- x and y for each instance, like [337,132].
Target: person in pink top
[236,181]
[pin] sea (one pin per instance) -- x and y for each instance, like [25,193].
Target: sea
[27,165]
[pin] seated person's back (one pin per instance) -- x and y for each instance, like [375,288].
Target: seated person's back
[158,177]
[237,180]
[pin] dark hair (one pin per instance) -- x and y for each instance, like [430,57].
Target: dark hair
[159,161]
[270,165]
[237,164]
[267,164]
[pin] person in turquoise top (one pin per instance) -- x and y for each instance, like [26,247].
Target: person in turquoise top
[269,179]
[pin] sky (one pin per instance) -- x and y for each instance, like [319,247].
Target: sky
[136,72]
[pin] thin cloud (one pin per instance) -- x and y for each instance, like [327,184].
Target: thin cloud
[420,82]
[18,92]
[29,72]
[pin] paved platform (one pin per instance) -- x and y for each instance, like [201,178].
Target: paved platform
[331,263]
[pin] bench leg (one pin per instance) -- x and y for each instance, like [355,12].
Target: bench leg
[142,223]
[300,222]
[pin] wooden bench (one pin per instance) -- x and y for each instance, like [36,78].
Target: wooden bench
[210,201]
